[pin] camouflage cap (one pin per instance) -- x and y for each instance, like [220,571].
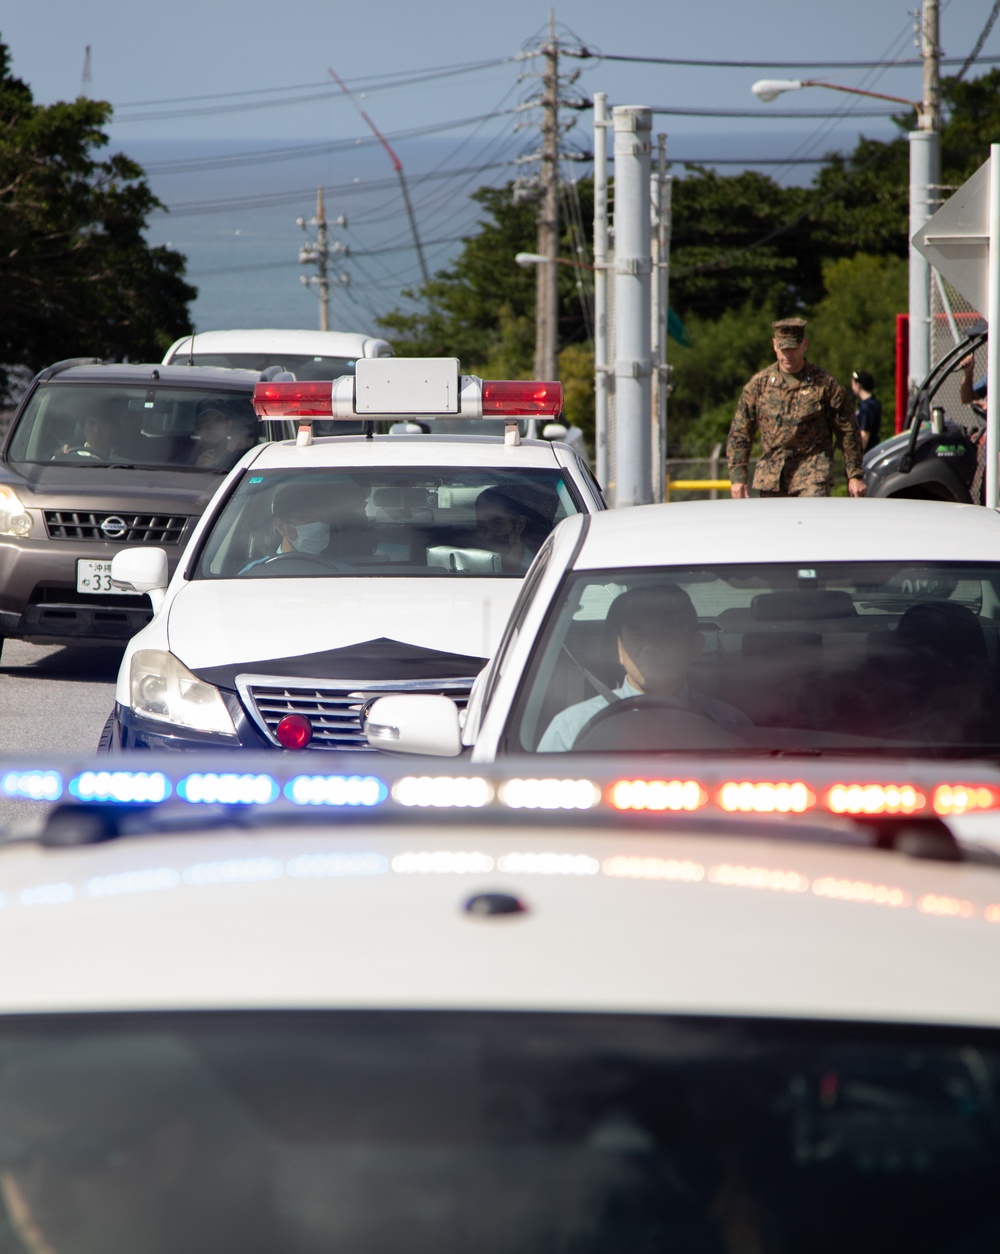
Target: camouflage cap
[789,332]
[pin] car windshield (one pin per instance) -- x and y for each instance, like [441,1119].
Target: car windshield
[85,425]
[509,1133]
[866,657]
[302,365]
[409,522]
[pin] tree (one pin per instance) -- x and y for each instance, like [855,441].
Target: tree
[77,276]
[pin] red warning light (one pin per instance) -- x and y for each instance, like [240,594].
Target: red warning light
[961,798]
[294,731]
[874,799]
[521,397]
[302,398]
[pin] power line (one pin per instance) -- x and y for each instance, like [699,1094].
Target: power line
[684,111]
[984,34]
[378,82]
[778,65]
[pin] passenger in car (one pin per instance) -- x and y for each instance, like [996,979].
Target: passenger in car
[513,521]
[657,638]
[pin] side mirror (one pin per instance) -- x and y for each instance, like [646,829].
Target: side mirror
[415,723]
[555,431]
[143,571]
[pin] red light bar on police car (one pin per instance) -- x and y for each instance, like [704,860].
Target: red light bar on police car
[409,387]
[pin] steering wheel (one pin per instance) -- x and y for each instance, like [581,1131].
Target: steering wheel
[291,564]
[78,450]
[650,724]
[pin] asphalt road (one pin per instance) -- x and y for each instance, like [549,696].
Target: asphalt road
[52,701]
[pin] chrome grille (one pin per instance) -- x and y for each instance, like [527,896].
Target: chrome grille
[333,708]
[74,524]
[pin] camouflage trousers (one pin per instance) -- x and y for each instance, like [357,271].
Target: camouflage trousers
[811,489]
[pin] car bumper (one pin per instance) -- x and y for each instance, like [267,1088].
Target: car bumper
[39,600]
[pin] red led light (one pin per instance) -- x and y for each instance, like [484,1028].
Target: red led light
[765,798]
[961,798]
[874,799]
[294,731]
[302,398]
[512,397]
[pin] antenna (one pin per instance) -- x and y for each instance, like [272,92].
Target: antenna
[191,350]
[86,65]
[397,165]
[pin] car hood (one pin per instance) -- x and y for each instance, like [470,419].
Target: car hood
[339,628]
[107,487]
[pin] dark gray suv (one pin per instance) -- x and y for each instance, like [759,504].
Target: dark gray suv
[102,456]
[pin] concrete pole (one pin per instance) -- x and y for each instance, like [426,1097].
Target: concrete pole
[322,253]
[659,192]
[993,342]
[925,180]
[546,276]
[633,443]
[602,381]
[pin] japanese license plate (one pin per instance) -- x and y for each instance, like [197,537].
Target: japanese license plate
[96,577]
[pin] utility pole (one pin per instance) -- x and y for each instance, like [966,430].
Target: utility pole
[660,191]
[925,189]
[633,437]
[602,377]
[546,277]
[316,252]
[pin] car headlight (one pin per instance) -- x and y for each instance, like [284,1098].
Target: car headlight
[14,518]
[162,688]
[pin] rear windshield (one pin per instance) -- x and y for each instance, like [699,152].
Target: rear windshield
[97,425]
[302,365]
[411,522]
[379,1133]
[869,657]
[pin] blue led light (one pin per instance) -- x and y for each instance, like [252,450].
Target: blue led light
[336,790]
[227,789]
[127,787]
[32,785]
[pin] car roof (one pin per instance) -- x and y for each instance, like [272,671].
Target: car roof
[277,340]
[640,921]
[789,530]
[407,450]
[220,377]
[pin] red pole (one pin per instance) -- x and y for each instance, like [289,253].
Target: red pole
[902,369]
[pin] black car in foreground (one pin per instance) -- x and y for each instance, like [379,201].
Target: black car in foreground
[102,456]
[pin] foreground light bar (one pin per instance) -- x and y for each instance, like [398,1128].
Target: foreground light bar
[874,799]
[962,798]
[122,787]
[32,785]
[765,798]
[656,795]
[336,790]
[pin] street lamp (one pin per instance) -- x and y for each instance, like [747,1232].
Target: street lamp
[925,179]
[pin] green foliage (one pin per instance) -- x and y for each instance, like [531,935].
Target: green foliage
[709,376]
[576,370]
[854,326]
[972,123]
[77,276]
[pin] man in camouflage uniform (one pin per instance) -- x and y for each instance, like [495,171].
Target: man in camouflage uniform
[799,410]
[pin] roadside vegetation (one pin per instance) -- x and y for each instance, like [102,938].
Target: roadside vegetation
[745,249]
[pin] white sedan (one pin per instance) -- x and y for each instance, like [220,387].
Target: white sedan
[326,573]
[788,628]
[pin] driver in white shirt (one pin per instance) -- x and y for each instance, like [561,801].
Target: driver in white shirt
[658,642]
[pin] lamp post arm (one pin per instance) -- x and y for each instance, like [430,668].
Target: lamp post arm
[860,91]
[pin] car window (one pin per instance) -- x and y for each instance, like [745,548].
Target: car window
[863,657]
[302,365]
[147,426]
[509,1133]
[433,522]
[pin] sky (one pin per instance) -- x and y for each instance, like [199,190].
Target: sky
[233,112]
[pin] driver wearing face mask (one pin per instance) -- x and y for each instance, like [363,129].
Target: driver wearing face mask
[299,516]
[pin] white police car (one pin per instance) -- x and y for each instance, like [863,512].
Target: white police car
[328,572]
[495,1010]
[797,628]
